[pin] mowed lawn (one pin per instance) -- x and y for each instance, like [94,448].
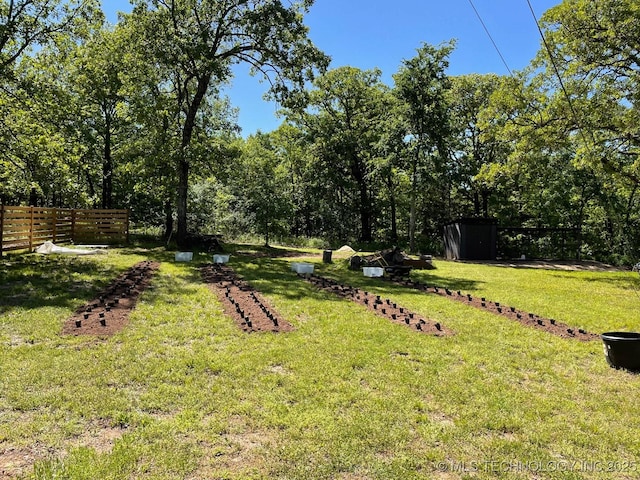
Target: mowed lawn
[182,393]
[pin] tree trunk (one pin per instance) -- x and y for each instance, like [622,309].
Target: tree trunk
[365,215]
[183,161]
[413,207]
[168,225]
[107,168]
[394,212]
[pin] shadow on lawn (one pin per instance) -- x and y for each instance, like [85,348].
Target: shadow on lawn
[623,281]
[34,281]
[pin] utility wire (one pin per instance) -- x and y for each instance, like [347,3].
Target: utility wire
[490,37]
[557,71]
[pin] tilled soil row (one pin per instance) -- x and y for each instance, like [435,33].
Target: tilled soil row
[249,310]
[526,318]
[382,307]
[109,312]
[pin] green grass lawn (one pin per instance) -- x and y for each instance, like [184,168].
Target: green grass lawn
[183,393]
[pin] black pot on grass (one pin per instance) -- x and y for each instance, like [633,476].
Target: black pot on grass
[622,350]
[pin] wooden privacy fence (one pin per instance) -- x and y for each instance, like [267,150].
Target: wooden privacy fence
[24,228]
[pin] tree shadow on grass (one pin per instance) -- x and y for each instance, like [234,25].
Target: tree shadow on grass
[273,276]
[622,281]
[34,281]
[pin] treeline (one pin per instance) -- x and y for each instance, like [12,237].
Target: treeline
[130,116]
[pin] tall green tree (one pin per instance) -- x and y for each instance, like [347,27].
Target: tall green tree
[25,24]
[344,119]
[421,83]
[197,42]
[474,142]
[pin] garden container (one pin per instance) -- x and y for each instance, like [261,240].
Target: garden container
[184,256]
[373,271]
[220,258]
[622,350]
[303,268]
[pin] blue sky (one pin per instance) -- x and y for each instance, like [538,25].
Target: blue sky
[381,33]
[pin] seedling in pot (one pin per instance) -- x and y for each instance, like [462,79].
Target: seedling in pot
[513,309]
[78,323]
[438,327]
[499,310]
[553,322]
[406,320]
[570,331]
[393,316]
[580,330]
[540,322]
[418,326]
[531,315]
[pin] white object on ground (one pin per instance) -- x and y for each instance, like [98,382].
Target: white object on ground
[49,247]
[346,248]
[220,258]
[373,271]
[184,256]
[302,268]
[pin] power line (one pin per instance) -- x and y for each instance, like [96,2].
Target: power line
[574,114]
[490,37]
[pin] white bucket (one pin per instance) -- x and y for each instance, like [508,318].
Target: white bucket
[220,258]
[184,256]
[303,268]
[373,271]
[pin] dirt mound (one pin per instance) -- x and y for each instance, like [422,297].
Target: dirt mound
[250,311]
[109,312]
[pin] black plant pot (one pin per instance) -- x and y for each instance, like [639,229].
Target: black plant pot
[622,350]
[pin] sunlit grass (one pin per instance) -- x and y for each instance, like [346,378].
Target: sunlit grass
[183,393]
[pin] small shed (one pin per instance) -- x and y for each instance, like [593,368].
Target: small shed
[471,239]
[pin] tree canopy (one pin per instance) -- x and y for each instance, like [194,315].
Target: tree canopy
[132,116]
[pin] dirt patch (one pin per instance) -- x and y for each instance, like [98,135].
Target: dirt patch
[382,307]
[249,310]
[17,462]
[526,318]
[109,312]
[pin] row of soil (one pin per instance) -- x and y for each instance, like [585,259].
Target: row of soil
[109,312]
[382,307]
[250,311]
[529,319]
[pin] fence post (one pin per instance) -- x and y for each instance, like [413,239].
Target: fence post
[31,230]
[73,225]
[53,226]
[127,226]
[1,227]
